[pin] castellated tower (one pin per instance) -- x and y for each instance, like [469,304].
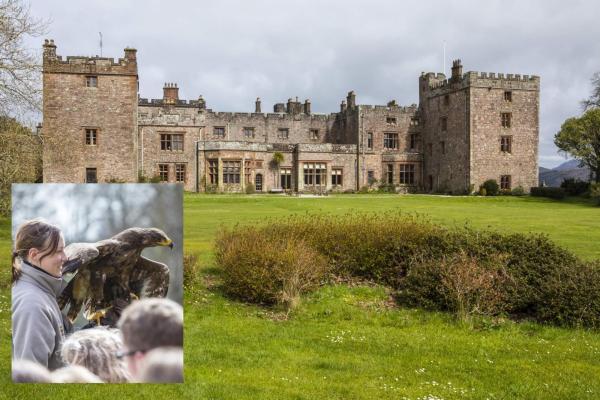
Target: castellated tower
[479,126]
[90,117]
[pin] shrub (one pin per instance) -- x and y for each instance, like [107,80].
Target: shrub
[546,191]
[364,189]
[572,296]
[459,269]
[491,187]
[250,189]
[386,188]
[155,179]
[575,187]
[190,270]
[263,268]
[595,192]
[482,191]
[518,191]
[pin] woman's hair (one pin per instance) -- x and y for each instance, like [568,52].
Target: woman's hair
[96,349]
[34,234]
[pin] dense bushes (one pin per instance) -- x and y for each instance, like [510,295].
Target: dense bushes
[264,268]
[460,269]
[491,187]
[551,192]
[575,187]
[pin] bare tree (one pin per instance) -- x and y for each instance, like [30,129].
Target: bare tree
[19,67]
[594,100]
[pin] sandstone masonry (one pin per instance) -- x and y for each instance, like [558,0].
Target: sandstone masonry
[465,130]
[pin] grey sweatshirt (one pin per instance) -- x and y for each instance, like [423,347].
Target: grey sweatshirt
[37,323]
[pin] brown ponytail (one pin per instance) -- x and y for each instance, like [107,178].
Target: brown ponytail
[33,234]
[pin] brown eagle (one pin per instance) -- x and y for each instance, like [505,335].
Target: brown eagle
[111,272]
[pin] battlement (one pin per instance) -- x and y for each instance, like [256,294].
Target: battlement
[390,108]
[160,102]
[88,65]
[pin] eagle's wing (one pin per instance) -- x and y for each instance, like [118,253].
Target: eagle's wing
[84,284]
[149,278]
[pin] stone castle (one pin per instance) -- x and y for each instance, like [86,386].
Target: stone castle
[467,128]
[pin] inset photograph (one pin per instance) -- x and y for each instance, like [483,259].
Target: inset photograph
[97,283]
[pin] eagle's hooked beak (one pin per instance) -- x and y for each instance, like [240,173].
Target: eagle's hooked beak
[167,242]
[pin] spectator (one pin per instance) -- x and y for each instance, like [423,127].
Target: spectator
[147,324]
[162,365]
[74,374]
[25,371]
[96,349]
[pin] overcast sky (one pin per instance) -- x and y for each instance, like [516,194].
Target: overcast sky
[231,52]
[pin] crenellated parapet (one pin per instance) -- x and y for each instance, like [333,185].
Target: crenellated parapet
[54,63]
[437,83]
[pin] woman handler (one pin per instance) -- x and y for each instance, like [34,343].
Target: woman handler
[38,326]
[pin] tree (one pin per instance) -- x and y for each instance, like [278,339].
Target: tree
[275,163]
[580,137]
[594,100]
[20,158]
[19,67]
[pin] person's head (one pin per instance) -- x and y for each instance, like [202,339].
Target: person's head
[162,365]
[74,374]
[25,371]
[96,349]
[41,244]
[147,324]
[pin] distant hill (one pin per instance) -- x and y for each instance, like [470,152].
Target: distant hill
[568,169]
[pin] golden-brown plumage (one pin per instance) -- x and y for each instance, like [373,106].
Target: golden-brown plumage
[113,270]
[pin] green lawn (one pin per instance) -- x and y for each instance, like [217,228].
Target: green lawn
[352,342]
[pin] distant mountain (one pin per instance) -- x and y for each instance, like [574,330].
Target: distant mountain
[568,169]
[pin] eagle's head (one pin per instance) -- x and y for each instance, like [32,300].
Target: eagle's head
[146,237]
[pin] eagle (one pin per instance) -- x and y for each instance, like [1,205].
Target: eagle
[109,273]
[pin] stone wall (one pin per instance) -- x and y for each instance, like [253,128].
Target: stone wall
[70,107]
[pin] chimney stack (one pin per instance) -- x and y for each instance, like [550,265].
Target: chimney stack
[257,105]
[456,70]
[170,93]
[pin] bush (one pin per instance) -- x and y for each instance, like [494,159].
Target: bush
[250,188]
[190,270]
[491,187]
[460,283]
[459,269]
[595,192]
[386,188]
[551,192]
[482,191]
[262,268]
[575,187]
[518,191]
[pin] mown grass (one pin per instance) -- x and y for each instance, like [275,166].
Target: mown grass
[351,342]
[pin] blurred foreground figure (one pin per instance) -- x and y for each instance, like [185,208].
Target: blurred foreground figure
[96,349]
[162,365]
[148,324]
[25,371]
[74,374]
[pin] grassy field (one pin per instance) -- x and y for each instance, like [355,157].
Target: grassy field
[352,342]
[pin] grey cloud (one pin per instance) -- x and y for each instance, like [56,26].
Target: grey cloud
[233,51]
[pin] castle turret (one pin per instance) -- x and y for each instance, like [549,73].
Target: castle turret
[351,99]
[307,106]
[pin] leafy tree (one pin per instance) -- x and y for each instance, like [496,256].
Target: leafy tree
[275,163]
[580,137]
[20,158]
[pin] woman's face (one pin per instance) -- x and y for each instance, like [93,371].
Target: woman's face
[51,263]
